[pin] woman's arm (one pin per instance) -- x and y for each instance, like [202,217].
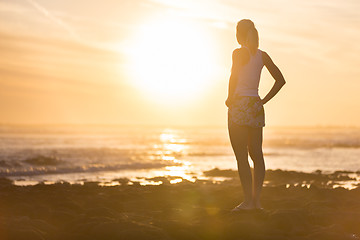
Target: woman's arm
[276,74]
[239,57]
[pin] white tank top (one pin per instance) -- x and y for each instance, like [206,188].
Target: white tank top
[249,76]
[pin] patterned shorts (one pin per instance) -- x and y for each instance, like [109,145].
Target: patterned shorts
[246,111]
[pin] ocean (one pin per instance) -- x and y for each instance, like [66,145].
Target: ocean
[79,153]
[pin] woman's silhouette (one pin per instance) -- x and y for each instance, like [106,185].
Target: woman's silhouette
[246,117]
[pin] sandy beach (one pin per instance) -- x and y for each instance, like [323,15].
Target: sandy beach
[297,206]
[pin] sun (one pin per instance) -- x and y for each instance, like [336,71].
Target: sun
[172,60]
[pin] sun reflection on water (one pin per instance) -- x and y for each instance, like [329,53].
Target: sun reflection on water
[171,145]
[166,137]
[176,180]
[172,148]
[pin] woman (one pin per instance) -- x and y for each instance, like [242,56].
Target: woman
[246,117]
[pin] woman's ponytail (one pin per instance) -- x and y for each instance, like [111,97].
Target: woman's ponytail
[252,39]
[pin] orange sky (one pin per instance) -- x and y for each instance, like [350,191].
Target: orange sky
[109,62]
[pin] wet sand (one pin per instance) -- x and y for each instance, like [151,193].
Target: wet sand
[297,206]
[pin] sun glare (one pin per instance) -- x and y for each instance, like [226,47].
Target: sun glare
[172,60]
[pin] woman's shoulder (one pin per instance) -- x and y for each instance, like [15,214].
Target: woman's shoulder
[265,57]
[242,54]
[240,51]
[264,54]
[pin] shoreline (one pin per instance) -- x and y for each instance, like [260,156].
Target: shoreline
[185,210]
[342,178]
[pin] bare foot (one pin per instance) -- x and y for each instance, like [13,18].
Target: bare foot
[243,206]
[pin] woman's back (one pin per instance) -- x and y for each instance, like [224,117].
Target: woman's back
[249,76]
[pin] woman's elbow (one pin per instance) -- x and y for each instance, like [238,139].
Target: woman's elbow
[281,82]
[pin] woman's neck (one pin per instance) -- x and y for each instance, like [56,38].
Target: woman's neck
[251,51]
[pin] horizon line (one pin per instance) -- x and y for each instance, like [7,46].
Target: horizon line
[168,125]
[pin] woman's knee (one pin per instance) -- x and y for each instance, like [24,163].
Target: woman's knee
[256,154]
[254,149]
[241,157]
[243,163]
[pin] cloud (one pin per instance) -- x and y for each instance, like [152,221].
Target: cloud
[28,58]
[7,7]
[53,18]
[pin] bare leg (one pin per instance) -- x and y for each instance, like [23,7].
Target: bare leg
[239,140]
[256,154]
